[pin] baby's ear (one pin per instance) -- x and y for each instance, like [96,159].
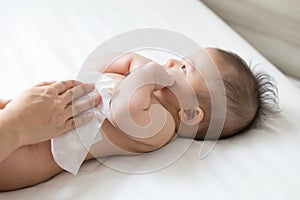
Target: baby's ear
[191,116]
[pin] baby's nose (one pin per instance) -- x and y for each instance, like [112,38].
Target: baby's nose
[173,63]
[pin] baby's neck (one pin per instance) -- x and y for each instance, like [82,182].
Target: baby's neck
[182,129]
[172,110]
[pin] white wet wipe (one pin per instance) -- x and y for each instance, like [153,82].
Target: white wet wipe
[69,150]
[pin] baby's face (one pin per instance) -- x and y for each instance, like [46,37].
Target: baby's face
[188,83]
[188,80]
[186,69]
[187,72]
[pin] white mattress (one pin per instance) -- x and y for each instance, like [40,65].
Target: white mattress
[295,81]
[46,40]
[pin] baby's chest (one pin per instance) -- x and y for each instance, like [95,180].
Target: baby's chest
[116,77]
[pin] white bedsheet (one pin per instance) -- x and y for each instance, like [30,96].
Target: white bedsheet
[47,40]
[295,81]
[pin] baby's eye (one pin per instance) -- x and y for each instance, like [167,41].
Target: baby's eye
[183,68]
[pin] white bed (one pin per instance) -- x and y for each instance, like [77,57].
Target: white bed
[47,40]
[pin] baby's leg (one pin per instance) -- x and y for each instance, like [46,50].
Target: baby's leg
[28,165]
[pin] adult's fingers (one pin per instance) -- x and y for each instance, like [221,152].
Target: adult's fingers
[82,106]
[62,86]
[44,83]
[77,92]
[78,121]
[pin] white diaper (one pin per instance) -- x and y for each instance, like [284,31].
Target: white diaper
[69,150]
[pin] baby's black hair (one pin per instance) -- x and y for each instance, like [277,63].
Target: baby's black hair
[268,101]
[251,96]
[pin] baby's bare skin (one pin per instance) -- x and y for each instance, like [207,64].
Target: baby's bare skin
[33,164]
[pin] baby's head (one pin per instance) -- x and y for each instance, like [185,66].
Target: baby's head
[249,95]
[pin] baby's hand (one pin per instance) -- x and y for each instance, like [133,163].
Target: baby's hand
[159,74]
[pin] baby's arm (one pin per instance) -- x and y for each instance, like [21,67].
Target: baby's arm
[119,141]
[121,63]
[133,109]
[126,63]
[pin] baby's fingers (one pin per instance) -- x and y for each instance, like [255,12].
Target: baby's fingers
[165,80]
[170,81]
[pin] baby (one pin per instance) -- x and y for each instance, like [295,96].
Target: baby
[248,97]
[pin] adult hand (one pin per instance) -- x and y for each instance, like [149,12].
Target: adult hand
[46,110]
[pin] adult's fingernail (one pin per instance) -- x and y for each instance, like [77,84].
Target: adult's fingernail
[97,99]
[91,86]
